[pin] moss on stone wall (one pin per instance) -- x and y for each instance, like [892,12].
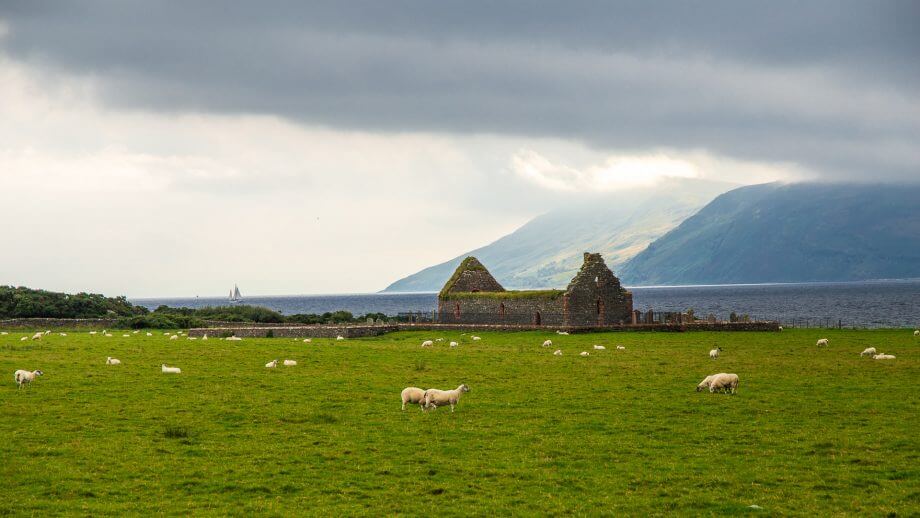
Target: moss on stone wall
[470,264]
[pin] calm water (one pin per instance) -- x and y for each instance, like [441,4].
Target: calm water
[864,304]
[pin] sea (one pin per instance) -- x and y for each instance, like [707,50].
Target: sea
[870,304]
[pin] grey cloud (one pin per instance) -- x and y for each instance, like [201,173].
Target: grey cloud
[831,85]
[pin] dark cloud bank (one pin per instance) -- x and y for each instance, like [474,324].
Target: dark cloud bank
[830,85]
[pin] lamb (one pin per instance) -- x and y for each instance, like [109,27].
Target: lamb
[713,354]
[171,370]
[290,363]
[621,348]
[272,364]
[37,336]
[427,343]
[600,348]
[413,395]
[548,343]
[22,377]
[454,344]
[704,385]
[584,353]
[883,356]
[869,351]
[557,352]
[821,342]
[723,382]
[112,361]
[435,398]
[476,338]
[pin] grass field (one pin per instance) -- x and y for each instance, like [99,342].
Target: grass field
[811,431]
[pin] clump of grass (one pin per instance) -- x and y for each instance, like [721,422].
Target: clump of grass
[420,365]
[175,432]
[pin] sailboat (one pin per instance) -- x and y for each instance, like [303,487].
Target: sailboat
[235,294]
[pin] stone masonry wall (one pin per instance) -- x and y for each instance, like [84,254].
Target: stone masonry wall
[501,310]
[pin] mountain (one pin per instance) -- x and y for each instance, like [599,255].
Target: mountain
[547,251]
[789,233]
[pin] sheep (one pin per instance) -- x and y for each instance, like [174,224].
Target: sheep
[548,343]
[868,351]
[704,385]
[307,340]
[454,344]
[780,328]
[165,333]
[112,361]
[562,333]
[62,334]
[24,338]
[126,336]
[37,336]
[723,382]
[713,354]
[340,337]
[883,356]
[584,353]
[22,377]
[137,331]
[621,348]
[234,338]
[3,333]
[174,337]
[917,332]
[438,339]
[821,342]
[413,395]
[272,364]
[435,398]
[92,332]
[205,337]
[475,338]
[557,352]
[600,348]
[427,343]
[171,370]
[149,334]
[191,338]
[48,332]
[109,335]
[290,363]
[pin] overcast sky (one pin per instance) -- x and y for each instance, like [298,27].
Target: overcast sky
[176,148]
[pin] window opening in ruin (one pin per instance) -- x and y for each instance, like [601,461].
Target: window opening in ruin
[457,310]
[501,310]
[536,319]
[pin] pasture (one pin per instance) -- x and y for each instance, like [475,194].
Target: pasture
[811,430]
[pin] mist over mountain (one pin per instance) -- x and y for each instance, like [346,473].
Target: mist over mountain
[547,251]
[789,233]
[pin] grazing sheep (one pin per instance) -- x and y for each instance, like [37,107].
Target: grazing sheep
[435,398]
[171,370]
[112,361]
[548,343]
[340,337]
[475,338]
[3,333]
[917,332]
[48,332]
[621,348]
[137,331]
[92,332]
[63,334]
[126,336]
[883,356]
[427,343]
[780,328]
[557,352]
[454,344]
[191,338]
[438,339]
[715,353]
[22,377]
[290,363]
[24,338]
[37,336]
[174,337]
[723,382]
[109,335]
[822,342]
[233,338]
[562,333]
[704,385]
[600,348]
[413,395]
[584,353]
[165,333]
[272,364]
[149,334]
[205,337]
[307,340]
[869,351]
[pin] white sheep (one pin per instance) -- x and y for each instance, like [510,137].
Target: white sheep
[290,363]
[883,356]
[174,337]
[63,334]
[205,337]
[37,336]
[868,351]
[413,395]
[714,354]
[165,333]
[562,333]
[272,364]
[234,338]
[47,331]
[149,334]
[704,385]
[584,353]
[92,332]
[3,333]
[171,370]
[476,338]
[137,331]
[723,382]
[917,332]
[780,328]
[621,348]
[548,343]
[340,337]
[557,352]
[438,339]
[454,344]
[427,343]
[822,342]
[435,398]
[126,336]
[307,340]
[600,348]
[112,361]
[24,338]
[108,335]
[22,377]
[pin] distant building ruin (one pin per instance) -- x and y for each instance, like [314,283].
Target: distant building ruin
[594,297]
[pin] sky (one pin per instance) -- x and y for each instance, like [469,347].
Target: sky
[176,148]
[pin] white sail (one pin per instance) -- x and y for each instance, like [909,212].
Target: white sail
[236,292]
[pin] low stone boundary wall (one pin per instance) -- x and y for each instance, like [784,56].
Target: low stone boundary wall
[294,331]
[67,323]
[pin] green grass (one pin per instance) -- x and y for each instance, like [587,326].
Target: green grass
[811,432]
